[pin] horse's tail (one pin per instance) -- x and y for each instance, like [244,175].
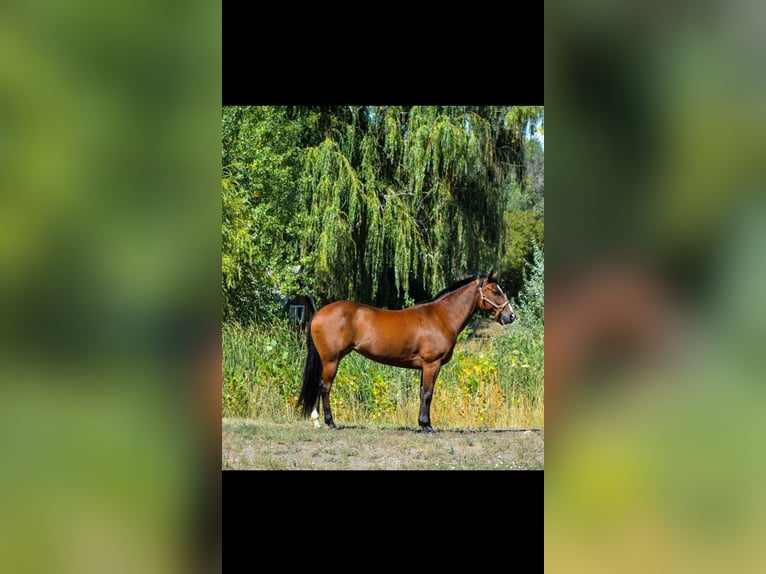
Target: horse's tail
[312,374]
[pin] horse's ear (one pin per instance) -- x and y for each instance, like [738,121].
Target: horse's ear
[492,276]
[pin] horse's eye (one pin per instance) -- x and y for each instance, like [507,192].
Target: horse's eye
[496,292]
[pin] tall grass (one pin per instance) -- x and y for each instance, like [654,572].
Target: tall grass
[491,382]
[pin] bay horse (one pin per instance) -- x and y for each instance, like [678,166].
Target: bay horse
[420,337]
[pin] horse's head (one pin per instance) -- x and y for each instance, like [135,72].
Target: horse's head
[494,301]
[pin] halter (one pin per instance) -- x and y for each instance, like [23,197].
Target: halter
[499,308]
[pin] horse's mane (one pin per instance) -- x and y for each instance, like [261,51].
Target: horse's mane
[453,287]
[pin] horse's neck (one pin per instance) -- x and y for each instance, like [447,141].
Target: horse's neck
[460,307]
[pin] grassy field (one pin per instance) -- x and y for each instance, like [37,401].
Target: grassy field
[494,381]
[487,408]
[256,445]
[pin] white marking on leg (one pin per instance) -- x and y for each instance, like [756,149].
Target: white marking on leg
[315,418]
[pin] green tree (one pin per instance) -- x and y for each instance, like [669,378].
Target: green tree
[260,223]
[378,204]
[410,194]
[524,218]
[532,298]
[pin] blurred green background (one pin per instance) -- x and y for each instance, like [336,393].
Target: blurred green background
[109,277]
[656,317]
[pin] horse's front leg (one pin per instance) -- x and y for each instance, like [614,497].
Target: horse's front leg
[428,376]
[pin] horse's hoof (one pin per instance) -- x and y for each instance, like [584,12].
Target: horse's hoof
[427,429]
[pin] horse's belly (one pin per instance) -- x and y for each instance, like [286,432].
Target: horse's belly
[404,359]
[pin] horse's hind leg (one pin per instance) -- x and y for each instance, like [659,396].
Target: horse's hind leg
[328,374]
[315,412]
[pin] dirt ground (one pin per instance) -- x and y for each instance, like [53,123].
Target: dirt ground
[255,445]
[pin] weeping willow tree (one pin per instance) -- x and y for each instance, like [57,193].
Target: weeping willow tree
[383,205]
[403,195]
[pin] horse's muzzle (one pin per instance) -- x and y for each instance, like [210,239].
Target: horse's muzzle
[506,318]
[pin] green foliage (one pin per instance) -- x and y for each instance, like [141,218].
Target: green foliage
[525,229]
[524,216]
[262,219]
[262,368]
[412,206]
[377,204]
[532,298]
[495,381]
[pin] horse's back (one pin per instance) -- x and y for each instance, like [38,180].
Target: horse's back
[337,311]
[362,316]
